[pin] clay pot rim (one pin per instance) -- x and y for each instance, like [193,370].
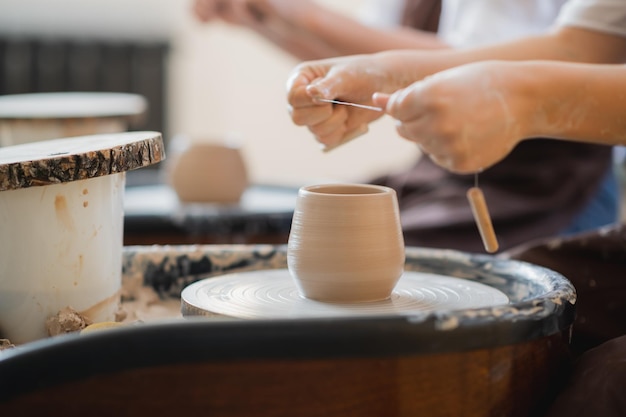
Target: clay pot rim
[369,190]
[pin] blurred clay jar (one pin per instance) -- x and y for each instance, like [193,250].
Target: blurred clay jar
[346,242]
[207,172]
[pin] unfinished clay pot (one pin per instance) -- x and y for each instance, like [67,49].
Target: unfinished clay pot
[346,242]
[207,172]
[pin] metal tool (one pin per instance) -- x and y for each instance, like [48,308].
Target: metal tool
[346,103]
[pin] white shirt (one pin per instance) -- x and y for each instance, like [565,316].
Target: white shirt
[602,15]
[466,23]
[381,13]
[607,16]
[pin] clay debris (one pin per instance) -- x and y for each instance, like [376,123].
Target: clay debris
[67,320]
[6,344]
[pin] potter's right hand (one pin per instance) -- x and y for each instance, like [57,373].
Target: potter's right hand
[466,118]
[352,79]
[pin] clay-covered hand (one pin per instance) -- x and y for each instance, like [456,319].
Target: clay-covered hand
[352,79]
[466,118]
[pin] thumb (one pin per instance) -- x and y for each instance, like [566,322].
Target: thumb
[328,87]
[407,103]
[381,100]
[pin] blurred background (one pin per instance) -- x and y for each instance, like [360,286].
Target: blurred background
[209,82]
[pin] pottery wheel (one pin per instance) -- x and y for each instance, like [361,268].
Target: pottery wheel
[270,294]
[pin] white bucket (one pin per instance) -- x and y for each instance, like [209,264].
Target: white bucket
[60,245]
[61,227]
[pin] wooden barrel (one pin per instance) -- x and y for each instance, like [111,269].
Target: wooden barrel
[505,360]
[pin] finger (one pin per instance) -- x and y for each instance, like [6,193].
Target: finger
[408,104]
[321,89]
[347,137]
[443,161]
[332,139]
[333,82]
[402,131]
[381,100]
[298,98]
[416,131]
[448,151]
[336,122]
[458,163]
[304,110]
[310,115]
[429,147]
[297,84]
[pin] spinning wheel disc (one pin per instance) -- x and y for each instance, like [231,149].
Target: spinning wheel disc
[270,294]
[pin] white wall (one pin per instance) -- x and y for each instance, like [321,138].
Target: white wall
[224,82]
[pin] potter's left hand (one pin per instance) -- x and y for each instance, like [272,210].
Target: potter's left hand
[353,79]
[253,13]
[466,118]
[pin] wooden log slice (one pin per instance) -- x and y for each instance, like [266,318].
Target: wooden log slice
[77,158]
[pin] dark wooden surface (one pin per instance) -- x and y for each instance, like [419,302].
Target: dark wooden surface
[498,361]
[514,380]
[175,236]
[595,263]
[153,215]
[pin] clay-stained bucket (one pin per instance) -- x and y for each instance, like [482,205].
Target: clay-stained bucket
[61,227]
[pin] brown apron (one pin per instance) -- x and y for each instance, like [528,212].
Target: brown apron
[422,14]
[535,192]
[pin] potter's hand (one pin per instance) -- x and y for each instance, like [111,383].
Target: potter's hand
[251,13]
[208,10]
[352,79]
[466,118]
